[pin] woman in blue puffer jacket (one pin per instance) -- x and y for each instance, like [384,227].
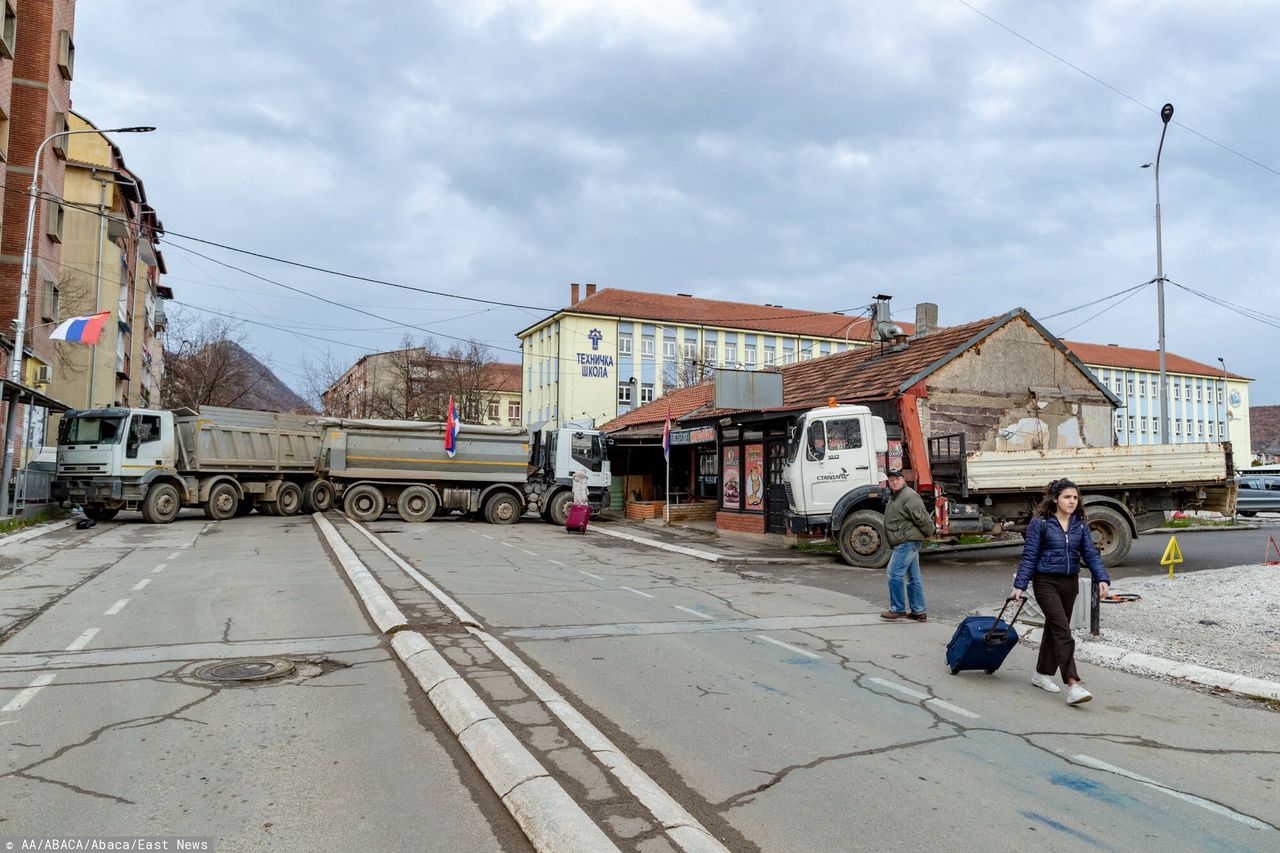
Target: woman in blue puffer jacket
[1057,542]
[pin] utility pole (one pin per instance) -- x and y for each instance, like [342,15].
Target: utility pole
[1166,113]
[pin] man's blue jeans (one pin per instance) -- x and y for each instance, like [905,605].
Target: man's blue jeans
[905,560]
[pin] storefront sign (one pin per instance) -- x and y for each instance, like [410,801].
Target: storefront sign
[753,464]
[595,364]
[702,435]
[730,494]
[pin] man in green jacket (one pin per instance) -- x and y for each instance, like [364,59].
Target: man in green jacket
[906,524]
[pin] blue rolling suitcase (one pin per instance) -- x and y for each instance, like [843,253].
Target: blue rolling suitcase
[983,642]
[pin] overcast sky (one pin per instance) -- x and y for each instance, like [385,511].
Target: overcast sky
[809,154]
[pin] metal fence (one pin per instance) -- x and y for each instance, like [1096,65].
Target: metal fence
[31,487]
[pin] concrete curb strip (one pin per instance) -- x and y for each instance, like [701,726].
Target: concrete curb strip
[381,609]
[32,532]
[1203,675]
[546,814]
[440,595]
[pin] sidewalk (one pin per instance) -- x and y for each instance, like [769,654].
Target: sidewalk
[1218,628]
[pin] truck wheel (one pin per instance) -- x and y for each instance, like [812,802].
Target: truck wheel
[1110,532]
[317,496]
[558,512]
[288,499]
[98,512]
[503,508]
[417,503]
[223,502]
[364,502]
[161,504]
[862,540]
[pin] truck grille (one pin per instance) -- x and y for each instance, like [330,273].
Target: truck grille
[64,470]
[791,500]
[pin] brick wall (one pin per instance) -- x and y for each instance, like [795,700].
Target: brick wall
[643,510]
[699,511]
[740,522]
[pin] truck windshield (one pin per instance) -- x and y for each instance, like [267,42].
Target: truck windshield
[587,450]
[793,441]
[91,430]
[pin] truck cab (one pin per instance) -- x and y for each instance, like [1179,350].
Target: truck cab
[108,457]
[557,455]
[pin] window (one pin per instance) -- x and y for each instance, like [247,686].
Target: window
[1177,427]
[1142,387]
[690,351]
[9,33]
[1222,429]
[66,54]
[54,214]
[624,393]
[709,354]
[1177,391]
[816,446]
[669,350]
[844,434]
[1119,423]
[494,412]
[1219,393]
[624,345]
[513,412]
[1199,394]
[1188,428]
[1142,425]
[646,347]
[749,355]
[646,394]
[4,135]
[806,353]
[730,354]
[142,429]
[1129,384]
[49,301]
[770,356]
[1132,428]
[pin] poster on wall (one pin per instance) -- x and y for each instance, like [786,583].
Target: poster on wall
[730,495]
[753,480]
[892,459]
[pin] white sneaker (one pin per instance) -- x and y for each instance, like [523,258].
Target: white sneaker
[1077,695]
[1045,682]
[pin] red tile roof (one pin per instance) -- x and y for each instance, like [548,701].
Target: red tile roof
[693,311]
[867,373]
[1110,355]
[503,377]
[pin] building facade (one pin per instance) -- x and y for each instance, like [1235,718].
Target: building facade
[1205,403]
[613,350]
[411,384]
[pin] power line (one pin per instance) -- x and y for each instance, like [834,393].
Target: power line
[1097,301]
[1243,311]
[1132,293]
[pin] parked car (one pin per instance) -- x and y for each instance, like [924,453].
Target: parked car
[1258,494]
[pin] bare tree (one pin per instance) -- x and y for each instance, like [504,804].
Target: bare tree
[403,382]
[319,377]
[206,364]
[469,379]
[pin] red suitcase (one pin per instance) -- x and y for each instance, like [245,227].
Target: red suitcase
[579,515]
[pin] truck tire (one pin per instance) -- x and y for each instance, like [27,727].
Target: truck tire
[558,511]
[416,504]
[223,502]
[161,504]
[503,508]
[288,499]
[1111,533]
[862,540]
[98,512]
[318,496]
[364,502]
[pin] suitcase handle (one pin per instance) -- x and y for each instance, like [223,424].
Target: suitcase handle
[994,637]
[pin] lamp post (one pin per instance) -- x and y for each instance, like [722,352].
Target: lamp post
[15,367]
[1166,113]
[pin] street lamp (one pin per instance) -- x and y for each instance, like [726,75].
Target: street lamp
[1166,113]
[15,367]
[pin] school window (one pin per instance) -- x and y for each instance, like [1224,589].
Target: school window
[749,355]
[1199,394]
[1119,423]
[1142,424]
[624,345]
[646,394]
[1132,428]
[1177,391]
[1200,429]
[1222,429]
[769,355]
[690,351]
[646,347]
[1177,427]
[624,393]
[1188,428]
[1219,394]
[709,354]
[1142,388]
[669,350]
[513,412]
[494,410]
[1129,385]
[730,354]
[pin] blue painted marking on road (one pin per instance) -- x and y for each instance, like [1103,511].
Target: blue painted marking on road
[1091,788]
[767,687]
[1063,828]
[802,661]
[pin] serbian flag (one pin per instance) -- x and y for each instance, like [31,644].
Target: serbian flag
[81,330]
[666,437]
[451,429]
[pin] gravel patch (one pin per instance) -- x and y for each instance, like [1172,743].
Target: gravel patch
[1226,619]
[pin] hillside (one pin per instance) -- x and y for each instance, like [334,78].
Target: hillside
[267,392]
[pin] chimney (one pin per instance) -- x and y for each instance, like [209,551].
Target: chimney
[573,293]
[926,319]
[885,328]
[591,290]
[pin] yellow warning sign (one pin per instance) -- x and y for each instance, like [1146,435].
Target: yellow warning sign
[1172,554]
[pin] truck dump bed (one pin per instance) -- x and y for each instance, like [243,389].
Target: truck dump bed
[414,450]
[222,439]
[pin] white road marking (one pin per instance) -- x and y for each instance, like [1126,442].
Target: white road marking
[486,536]
[557,562]
[83,640]
[924,697]
[174,555]
[694,612]
[588,574]
[638,592]
[507,545]
[17,703]
[140,584]
[530,553]
[789,647]
[158,569]
[1216,808]
[116,608]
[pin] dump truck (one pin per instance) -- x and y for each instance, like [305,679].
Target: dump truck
[498,473]
[226,461]
[835,472]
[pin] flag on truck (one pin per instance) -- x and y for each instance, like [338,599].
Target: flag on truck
[666,436]
[451,429]
[81,330]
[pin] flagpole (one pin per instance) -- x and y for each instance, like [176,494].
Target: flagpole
[667,513]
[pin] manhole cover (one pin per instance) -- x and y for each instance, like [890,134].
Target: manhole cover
[250,669]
